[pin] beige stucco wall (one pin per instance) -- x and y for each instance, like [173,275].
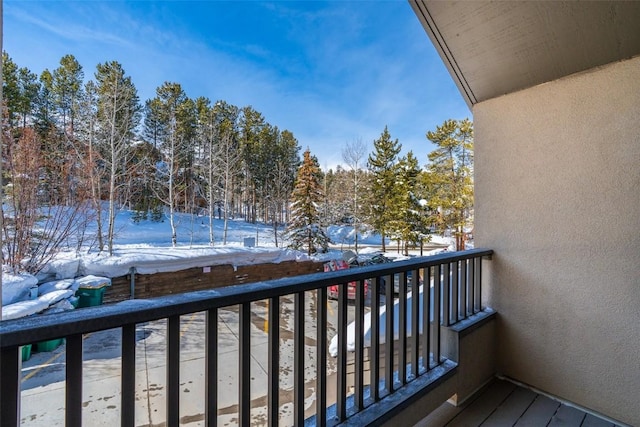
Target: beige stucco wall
[557,177]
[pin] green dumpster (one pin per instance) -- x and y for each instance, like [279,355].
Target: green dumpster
[49,345]
[90,297]
[26,352]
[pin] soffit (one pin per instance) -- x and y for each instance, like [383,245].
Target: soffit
[495,48]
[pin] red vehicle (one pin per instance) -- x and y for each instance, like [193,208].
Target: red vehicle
[351,286]
[351,290]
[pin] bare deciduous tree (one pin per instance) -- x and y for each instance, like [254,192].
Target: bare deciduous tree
[229,164]
[279,184]
[33,232]
[353,154]
[118,115]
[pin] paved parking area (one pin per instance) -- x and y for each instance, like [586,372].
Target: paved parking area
[43,375]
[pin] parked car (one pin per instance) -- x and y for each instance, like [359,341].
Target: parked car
[351,290]
[343,264]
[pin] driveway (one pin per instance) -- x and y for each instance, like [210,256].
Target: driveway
[43,375]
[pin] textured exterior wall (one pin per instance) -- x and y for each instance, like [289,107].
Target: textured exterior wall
[557,177]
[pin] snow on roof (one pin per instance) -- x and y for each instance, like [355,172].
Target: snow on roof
[152,260]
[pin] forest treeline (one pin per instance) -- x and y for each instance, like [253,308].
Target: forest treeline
[76,150]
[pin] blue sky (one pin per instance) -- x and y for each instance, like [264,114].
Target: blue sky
[330,72]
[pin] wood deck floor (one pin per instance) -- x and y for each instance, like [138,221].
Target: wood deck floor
[503,403]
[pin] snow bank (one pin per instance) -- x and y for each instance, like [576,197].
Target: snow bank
[56,300]
[341,234]
[23,309]
[450,242]
[61,268]
[351,328]
[51,296]
[57,285]
[62,305]
[16,287]
[55,296]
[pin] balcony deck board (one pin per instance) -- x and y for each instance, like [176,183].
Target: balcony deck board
[591,421]
[503,403]
[539,413]
[482,407]
[513,407]
[568,417]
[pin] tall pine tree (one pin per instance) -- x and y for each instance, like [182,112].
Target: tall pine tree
[382,165]
[410,222]
[451,170]
[67,91]
[304,229]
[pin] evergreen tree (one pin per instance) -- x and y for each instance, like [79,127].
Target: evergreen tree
[67,93]
[20,88]
[382,165]
[67,88]
[154,129]
[280,178]
[144,157]
[251,128]
[409,224]
[45,104]
[451,170]
[29,87]
[10,89]
[304,229]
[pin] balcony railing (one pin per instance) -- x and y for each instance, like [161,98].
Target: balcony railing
[449,291]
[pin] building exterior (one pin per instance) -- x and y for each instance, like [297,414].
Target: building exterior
[554,88]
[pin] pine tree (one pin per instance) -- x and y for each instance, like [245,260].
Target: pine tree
[382,165]
[29,87]
[144,157]
[304,230]
[280,178]
[45,104]
[67,90]
[338,199]
[251,127]
[154,126]
[10,89]
[451,170]
[409,223]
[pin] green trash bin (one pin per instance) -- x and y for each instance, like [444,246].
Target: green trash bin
[50,345]
[90,297]
[26,352]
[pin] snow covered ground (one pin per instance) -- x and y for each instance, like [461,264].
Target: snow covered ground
[146,247]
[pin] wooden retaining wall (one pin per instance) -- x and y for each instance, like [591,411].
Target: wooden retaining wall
[193,279]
